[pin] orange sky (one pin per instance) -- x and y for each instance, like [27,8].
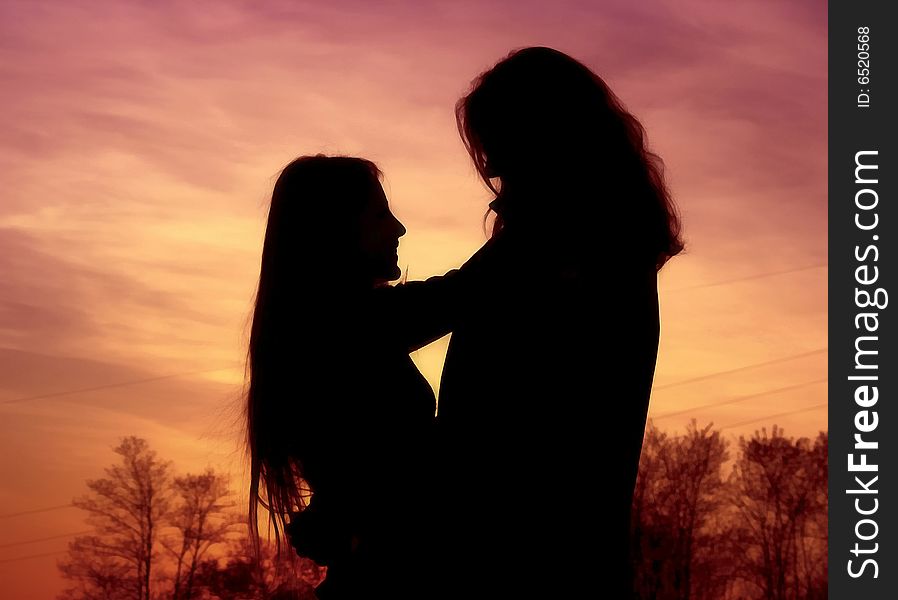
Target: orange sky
[139,142]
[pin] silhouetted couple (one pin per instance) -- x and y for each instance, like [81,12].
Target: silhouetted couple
[521,486]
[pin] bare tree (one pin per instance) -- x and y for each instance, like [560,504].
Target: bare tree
[202,520]
[778,491]
[95,574]
[814,534]
[677,495]
[127,509]
[649,538]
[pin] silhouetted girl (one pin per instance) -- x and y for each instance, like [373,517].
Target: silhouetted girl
[546,384]
[334,405]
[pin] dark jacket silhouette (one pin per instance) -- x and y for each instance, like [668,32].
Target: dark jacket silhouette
[366,462]
[542,410]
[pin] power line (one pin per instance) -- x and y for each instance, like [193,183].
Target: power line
[45,539]
[30,556]
[739,369]
[36,510]
[113,385]
[749,277]
[739,399]
[782,414]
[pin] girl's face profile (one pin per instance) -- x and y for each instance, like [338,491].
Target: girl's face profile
[379,233]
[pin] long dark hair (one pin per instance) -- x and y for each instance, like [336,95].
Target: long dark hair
[543,122]
[302,258]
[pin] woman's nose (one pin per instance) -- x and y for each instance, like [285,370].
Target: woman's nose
[400,230]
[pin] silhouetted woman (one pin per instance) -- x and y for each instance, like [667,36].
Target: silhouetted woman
[546,384]
[335,406]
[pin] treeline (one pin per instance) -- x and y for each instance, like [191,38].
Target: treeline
[708,528]
[705,527]
[160,536]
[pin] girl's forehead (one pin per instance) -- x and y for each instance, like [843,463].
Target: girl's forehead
[378,194]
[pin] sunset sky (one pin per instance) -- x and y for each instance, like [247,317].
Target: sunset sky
[139,141]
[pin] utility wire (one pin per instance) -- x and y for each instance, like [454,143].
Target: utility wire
[113,385]
[30,556]
[782,414]
[740,369]
[45,539]
[739,399]
[36,510]
[749,277]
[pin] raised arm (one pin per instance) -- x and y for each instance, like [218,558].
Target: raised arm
[417,313]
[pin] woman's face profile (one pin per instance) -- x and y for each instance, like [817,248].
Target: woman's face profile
[379,233]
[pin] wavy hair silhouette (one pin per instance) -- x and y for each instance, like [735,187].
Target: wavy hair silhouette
[541,124]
